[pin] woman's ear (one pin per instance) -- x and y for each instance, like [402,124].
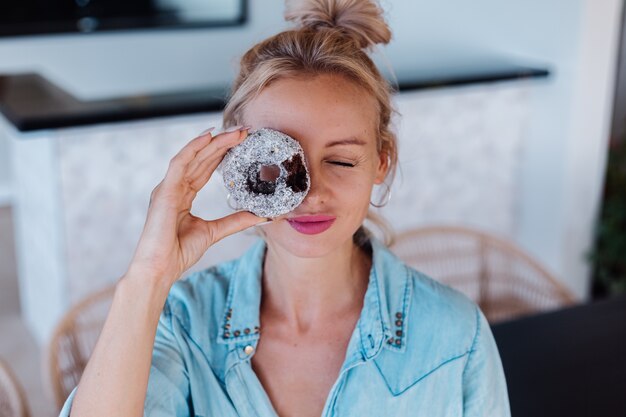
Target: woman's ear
[383,167]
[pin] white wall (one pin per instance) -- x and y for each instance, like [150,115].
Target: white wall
[565,149]
[576,41]
[5,172]
[589,131]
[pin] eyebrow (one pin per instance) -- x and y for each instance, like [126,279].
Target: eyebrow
[347,141]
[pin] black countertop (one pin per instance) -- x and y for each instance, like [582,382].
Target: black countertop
[31,102]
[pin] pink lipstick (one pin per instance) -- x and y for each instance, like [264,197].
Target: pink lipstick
[311,225]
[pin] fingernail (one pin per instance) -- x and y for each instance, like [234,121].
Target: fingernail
[233,129]
[204,132]
[267,220]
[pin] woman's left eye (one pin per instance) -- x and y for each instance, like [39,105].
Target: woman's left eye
[343,164]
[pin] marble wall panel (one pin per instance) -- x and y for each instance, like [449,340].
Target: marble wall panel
[459,154]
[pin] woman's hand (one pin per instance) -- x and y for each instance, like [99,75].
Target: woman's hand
[173,239]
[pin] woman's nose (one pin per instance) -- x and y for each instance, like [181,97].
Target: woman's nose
[318,190]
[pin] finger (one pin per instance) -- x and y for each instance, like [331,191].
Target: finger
[178,164]
[233,223]
[219,146]
[190,150]
[203,170]
[179,188]
[204,173]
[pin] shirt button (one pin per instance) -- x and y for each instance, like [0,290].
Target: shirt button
[248,350]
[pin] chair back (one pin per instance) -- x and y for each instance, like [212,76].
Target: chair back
[12,398]
[72,342]
[500,277]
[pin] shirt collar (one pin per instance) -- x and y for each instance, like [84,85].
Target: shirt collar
[383,320]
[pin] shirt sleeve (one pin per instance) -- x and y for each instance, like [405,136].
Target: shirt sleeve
[65,411]
[168,383]
[484,384]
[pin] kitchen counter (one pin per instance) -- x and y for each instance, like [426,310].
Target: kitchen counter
[31,102]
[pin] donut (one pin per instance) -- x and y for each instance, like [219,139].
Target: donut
[266,174]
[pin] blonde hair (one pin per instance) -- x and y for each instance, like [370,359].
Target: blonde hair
[330,37]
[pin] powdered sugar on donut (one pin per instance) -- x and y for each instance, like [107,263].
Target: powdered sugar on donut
[241,165]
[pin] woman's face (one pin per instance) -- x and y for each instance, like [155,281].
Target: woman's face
[334,121]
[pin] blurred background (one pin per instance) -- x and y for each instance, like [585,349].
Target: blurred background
[512,186]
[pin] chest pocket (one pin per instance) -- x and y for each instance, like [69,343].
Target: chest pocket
[438,337]
[441,326]
[401,371]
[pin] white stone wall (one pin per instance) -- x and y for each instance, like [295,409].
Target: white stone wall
[38,222]
[459,152]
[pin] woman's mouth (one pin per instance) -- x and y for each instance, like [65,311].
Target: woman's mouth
[311,225]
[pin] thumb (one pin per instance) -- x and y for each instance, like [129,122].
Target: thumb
[234,223]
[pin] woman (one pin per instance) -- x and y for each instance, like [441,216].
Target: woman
[318,317]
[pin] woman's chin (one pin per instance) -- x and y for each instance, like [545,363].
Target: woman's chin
[306,246]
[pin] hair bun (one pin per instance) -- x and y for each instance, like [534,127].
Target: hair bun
[362,20]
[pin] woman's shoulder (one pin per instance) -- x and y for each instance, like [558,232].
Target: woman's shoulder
[200,296]
[438,332]
[450,306]
[421,297]
[444,314]
[212,285]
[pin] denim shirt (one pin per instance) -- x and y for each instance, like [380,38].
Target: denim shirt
[419,348]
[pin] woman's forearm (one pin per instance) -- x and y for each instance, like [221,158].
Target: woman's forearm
[115,380]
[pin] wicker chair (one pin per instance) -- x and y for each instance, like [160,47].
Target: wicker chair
[12,398]
[503,280]
[72,343]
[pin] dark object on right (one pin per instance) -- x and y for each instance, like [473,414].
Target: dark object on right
[570,362]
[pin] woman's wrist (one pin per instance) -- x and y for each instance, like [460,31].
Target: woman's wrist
[140,283]
[114,381]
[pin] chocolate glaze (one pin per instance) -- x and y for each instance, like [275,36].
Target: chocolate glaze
[297,174]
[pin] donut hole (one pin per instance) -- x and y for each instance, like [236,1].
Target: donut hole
[269,173]
[262,178]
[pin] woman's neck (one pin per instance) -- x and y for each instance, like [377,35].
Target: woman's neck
[303,292]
